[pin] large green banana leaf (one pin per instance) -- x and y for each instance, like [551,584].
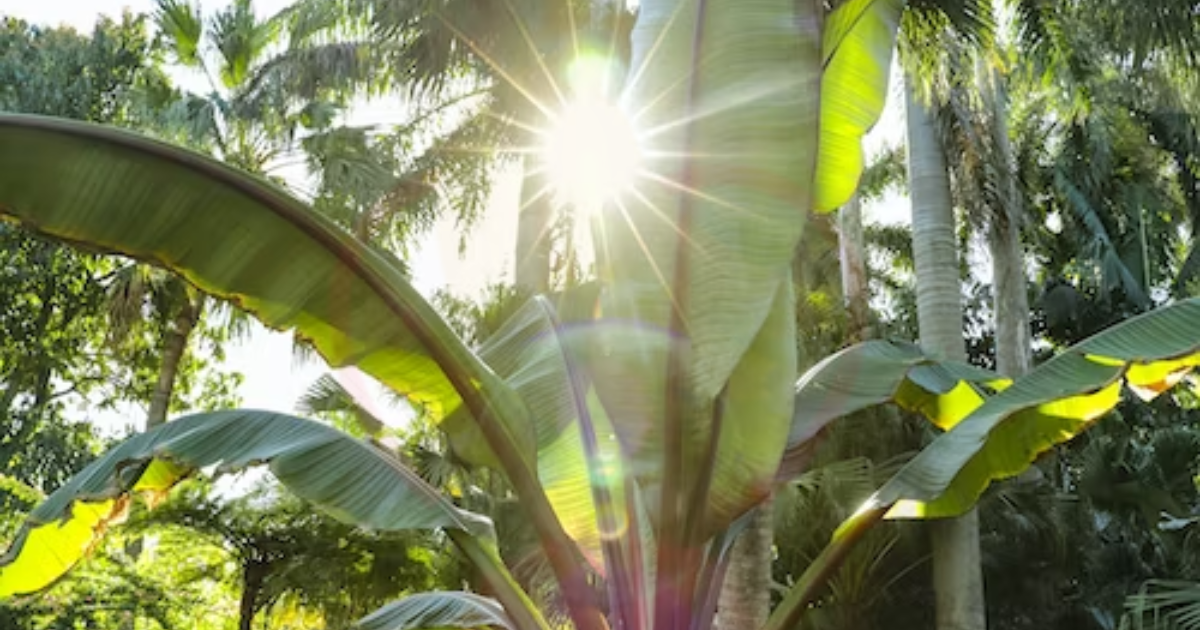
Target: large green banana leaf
[988,437]
[1053,403]
[739,118]
[438,611]
[877,372]
[348,478]
[240,238]
[244,240]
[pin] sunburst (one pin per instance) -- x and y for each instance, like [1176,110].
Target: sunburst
[592,153]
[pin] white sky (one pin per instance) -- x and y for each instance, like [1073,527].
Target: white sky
[272,379]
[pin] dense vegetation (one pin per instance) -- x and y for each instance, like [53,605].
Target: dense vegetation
[1051,152]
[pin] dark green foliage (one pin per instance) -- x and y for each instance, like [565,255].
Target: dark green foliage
[60,72]
[52,298]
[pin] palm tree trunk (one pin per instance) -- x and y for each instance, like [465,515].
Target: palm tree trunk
[254,574]
[1013,341]
[534,224]
[852,256]
[957,574]
[174,346]
[745,599]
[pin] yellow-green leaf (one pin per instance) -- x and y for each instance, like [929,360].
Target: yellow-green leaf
[1050,405]
[244,240]
[878,372]
[857,51]
[345,477]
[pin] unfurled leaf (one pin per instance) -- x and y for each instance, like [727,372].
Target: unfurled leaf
[1050,405]
[348,478]
[857,51]
[736,106]
[878,372]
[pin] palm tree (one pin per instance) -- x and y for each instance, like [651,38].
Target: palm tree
[958,579]
[273,80]
[519,53]
[137,296]
[995,180]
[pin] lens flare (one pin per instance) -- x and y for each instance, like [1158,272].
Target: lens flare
[591,153]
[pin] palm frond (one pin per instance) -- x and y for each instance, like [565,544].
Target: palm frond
[1114,272]
[1164,605]
[180,22]
[1147,28]
[933,34]
[240,39]
[327,396]
[306,22]
[457,168]
[886,171]
[343,68]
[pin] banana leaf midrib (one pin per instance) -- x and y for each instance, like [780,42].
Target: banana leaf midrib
[270,197]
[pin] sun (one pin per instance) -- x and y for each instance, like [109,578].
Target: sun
[592,153]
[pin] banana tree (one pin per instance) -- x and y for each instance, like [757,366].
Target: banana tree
[637,424]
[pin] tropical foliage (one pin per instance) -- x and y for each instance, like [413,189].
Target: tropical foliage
[633,422]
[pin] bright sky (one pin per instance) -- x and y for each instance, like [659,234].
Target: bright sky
[273,380]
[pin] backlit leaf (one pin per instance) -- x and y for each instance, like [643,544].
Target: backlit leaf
[350,479]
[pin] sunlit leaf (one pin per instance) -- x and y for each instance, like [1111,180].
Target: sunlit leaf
[348,478]
[242,239]
[1050,405]
[857,51]
[531,353]
[877,372]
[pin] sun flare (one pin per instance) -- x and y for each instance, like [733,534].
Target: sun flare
[591,152]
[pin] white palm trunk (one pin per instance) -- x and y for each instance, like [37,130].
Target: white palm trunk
[852,256]
[957,574]
[1013,342]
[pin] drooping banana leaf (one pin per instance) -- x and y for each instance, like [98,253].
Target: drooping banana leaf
[348,478]
[1003,435]
[438,611]
[738,110]
[1050,405]
[242,239]
[877,372]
